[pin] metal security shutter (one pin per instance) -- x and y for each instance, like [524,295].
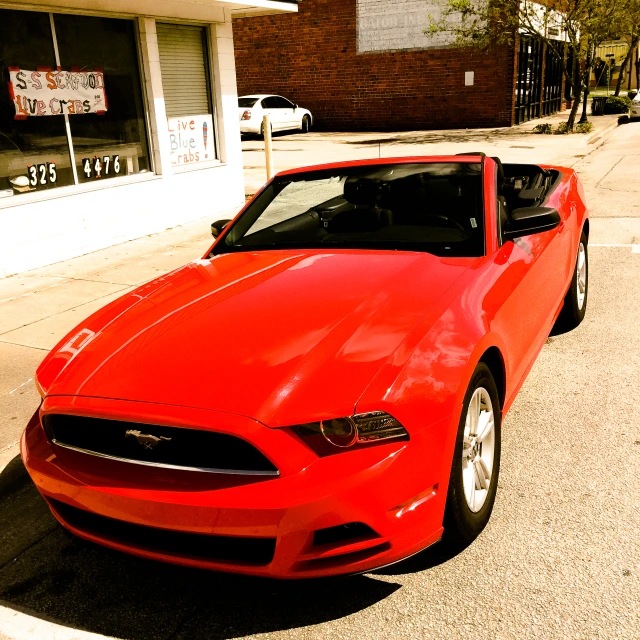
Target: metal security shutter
[185,72]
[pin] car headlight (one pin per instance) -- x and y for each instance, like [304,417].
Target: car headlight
[344,434]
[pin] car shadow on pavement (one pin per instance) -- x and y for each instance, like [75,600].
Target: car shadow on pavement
[48,573]
[431,557]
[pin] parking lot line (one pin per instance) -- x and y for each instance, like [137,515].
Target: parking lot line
[635,248]
[19,626]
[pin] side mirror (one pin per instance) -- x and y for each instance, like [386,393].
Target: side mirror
[218,227]
[529,220]
[295,106]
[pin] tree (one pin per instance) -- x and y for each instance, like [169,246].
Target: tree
[631,28]
[574,27]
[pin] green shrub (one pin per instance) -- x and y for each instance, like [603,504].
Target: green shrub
[584,127]
[617,104]
[562,129]
[544,127]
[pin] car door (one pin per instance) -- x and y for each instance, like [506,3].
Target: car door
[288,114]
[529,278]
[539,265]
[271,108]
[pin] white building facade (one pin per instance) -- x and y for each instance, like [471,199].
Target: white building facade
[117,119]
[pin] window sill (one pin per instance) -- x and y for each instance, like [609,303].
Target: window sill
[71,190]
[187,168]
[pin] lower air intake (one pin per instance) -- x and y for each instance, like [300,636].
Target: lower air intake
[224,549]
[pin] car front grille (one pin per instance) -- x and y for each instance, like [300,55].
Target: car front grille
[224,549]
[159,446]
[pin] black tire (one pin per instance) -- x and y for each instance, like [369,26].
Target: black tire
[306,124]
[461,524]
[262,130]
[573,312]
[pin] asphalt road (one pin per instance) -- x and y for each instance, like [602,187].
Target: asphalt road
[559,559]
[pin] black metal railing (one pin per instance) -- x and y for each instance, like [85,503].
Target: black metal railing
[552,92]
[529,79]
[538,81]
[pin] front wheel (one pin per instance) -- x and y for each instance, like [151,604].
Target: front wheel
[476,461]
[575,302]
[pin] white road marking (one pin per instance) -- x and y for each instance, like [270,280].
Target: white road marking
[19,626]
[21,385]
[13,444]
[635,248]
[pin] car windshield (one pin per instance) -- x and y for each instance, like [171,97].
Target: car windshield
[245,103]
[432,207]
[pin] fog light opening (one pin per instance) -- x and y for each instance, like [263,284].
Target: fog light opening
[343,533]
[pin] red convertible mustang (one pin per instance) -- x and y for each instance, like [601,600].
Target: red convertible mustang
[323,392]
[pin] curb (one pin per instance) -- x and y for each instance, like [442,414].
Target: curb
[594,137]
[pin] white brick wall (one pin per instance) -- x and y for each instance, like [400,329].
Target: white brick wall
[391,25]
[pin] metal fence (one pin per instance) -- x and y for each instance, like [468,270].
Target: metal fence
[538,81]
[552,91]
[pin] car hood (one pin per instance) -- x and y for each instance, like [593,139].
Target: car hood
[278,336]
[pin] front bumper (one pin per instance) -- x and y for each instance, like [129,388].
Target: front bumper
[396,489]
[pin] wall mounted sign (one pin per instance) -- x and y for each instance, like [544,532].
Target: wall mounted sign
[191,139]
[394,25]
[47,92]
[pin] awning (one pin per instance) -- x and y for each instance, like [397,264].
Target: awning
[196,10]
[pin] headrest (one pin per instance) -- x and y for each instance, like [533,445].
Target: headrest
[359,190]
[441,190]
[408,192]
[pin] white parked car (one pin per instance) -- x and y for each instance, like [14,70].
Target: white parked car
[284,115]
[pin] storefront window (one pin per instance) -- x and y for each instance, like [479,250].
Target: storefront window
[108,45]
[71,106]
[26,42]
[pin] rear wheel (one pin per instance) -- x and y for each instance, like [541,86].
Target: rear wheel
[575,302]
[476,461]
[262,130]
[306,124]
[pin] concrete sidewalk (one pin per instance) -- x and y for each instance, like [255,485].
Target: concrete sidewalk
[511,144]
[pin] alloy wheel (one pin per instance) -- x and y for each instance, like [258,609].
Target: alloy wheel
[581,274]
[478,449]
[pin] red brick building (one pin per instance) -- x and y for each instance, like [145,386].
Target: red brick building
[367,65]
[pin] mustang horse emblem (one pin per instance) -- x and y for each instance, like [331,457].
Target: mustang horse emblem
[145,439]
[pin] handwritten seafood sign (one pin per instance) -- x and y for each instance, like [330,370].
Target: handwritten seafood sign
[191,139]
[47,92]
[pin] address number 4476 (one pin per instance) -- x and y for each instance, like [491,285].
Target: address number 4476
[101,167]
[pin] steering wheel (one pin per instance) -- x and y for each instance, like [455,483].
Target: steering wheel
[448,222]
